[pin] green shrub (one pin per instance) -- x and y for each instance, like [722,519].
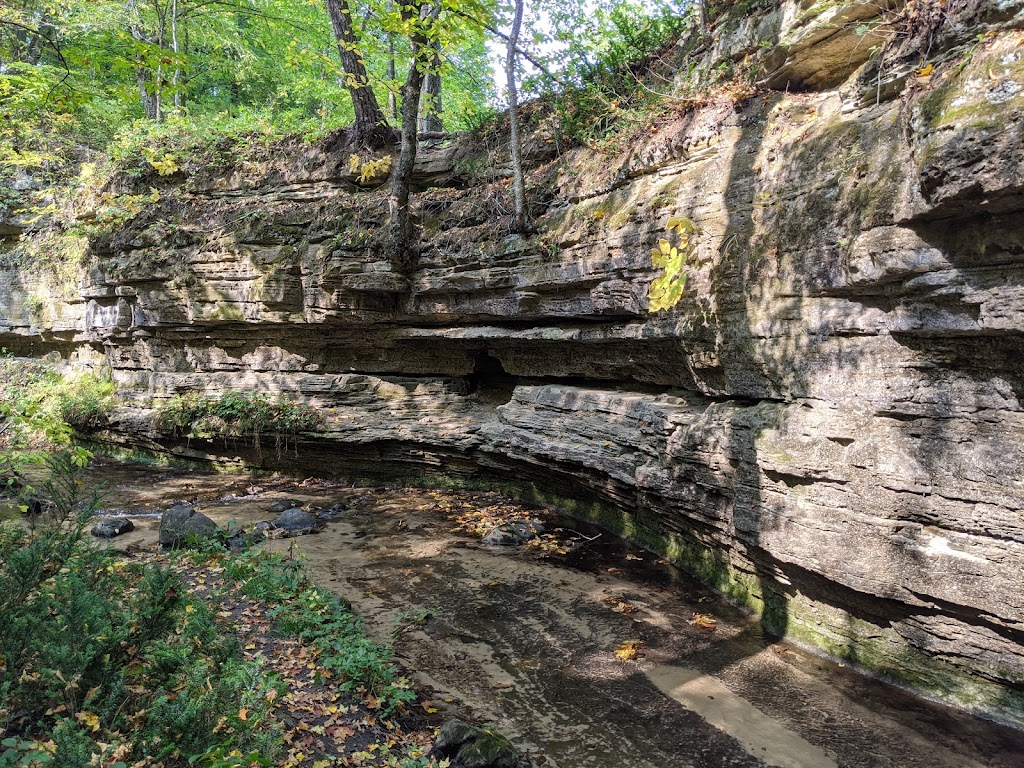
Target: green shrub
[237,414]
[324,621]
[85,401]
[40,407]
[97,650]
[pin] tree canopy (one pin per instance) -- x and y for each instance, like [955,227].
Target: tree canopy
[80,73]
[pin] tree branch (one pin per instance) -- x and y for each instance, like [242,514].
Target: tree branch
[52,44]
[524,53]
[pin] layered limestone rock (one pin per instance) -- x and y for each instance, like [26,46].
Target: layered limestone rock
[829,427]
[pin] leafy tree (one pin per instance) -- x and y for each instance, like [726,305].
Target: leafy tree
[370,123]
[421,22]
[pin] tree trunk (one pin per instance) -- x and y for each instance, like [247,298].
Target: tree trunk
[402,235]
[149,102]
[404,256]
[430,100]
[392,97]
[518,183]
[371,126]
[147,80]
[174,47]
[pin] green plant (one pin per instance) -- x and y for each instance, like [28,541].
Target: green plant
[39,411]
[100,654]
[224,756]
[324,621]
[237,414]
[84,401]
[667,289]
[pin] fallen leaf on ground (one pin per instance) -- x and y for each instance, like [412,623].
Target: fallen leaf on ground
[630,650]
[704,620]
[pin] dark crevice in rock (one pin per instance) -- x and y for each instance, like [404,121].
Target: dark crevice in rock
[489,380]
[792,481]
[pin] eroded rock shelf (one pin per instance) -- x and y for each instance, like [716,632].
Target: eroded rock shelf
[829,428]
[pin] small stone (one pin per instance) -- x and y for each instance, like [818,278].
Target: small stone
[285,504]
[514,533]
[108,529]
[333,512]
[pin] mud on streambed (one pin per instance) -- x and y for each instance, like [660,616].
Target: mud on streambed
[524,638]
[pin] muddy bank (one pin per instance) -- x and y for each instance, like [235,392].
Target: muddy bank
[524,638]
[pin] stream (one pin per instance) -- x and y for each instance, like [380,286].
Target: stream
[522,638]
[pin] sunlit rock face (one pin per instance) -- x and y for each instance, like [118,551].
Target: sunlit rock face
[828,427]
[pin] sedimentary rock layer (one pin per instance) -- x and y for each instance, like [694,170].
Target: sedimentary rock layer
[829,427]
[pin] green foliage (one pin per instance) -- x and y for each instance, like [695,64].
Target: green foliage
[237,414]
[667,289]
[83,402]
[325,622]
[105,657]
[41,408]
[78,74]
[606,50]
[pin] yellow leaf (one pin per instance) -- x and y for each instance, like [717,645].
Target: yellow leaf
[926,70]
[89,719]
[704,620]
[243,713]
[353,163]
[629,650]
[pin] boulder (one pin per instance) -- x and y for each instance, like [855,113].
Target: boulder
[182,525]
[298,522]
[514,533]
[469,747]
[108,529]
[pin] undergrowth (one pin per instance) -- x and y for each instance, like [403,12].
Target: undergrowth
[40,406]
[237,414]
[345,653]
[104,661]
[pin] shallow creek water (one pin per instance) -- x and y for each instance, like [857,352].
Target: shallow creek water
[524,641]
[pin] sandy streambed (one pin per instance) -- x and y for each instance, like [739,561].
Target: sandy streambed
[525,639]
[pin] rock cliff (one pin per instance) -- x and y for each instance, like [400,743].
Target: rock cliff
[829,427]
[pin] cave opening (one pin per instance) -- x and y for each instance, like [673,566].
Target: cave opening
[489,380]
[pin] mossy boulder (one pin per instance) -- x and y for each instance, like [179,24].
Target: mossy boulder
[470,747]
